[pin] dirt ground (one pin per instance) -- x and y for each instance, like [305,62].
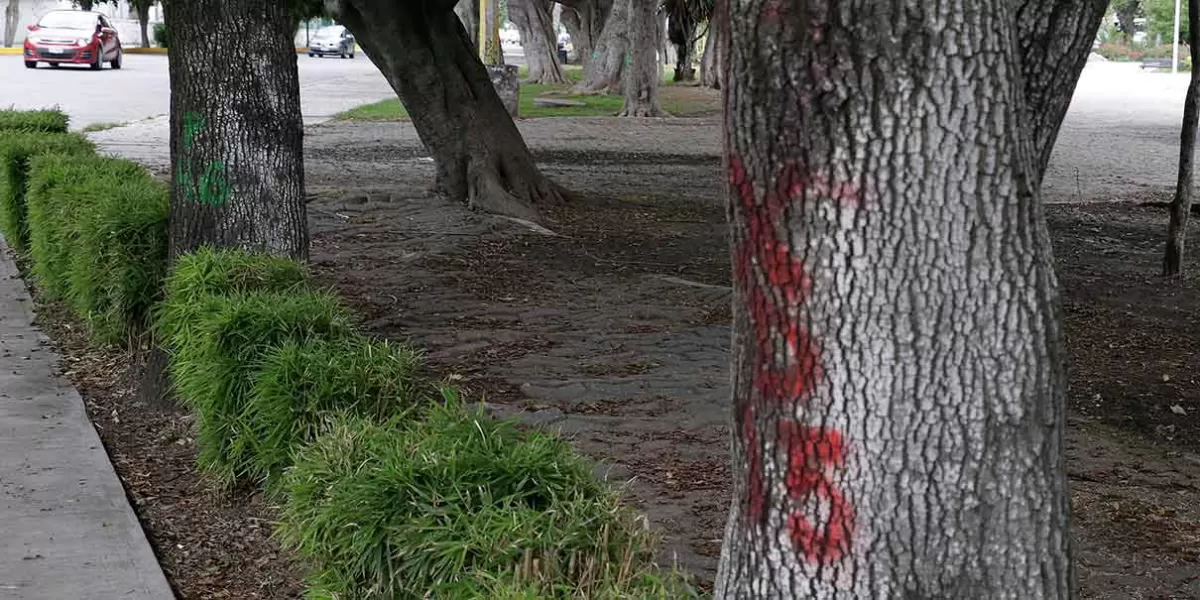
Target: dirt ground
[615,331]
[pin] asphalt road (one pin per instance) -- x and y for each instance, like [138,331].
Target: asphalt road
[141,89]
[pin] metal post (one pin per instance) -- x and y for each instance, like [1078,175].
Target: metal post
[1175,46]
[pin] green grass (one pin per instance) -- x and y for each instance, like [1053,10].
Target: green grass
[457,505]
[675,99]
[301,383]
[45,121]
[96,127]
[16,150]
[214,370]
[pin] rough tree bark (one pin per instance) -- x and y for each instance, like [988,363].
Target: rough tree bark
[712,62]
[681,30]
[426,56]
[536,24]
[1181,205]
[468,13]
[643,69]
[12,17]
[897,355]
[604,68]
[584,20]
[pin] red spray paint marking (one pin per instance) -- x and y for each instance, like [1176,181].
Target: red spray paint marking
[775,286]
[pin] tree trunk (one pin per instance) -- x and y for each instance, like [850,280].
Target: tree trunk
[468,13]
[540,43]
[143,15]
[1181,206]
[426,56]
[643,69]
[602,72]
[584,20]
[1127,11]
[682,33]
[12,20]
[712,63]
[899,406]
[85,4]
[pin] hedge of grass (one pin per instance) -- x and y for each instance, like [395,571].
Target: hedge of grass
[45,121]
[98,239]
[387,491]
[300,384]
[16,149]
[456,504]
[213,371]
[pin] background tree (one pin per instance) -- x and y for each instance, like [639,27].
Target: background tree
[712,62]
[142,9]
[684,20]
[12,21]
[1160,21]
[1127,12]
[603,71]
[584,21]
[538,39]
[885,389]
[426,55]
[643,69]
[468,13]
[1181,205]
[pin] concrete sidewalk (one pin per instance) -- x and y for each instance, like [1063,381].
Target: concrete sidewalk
[67,531]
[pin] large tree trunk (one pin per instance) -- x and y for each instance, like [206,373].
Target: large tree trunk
[1181,206]
[712,62]
[143,15]
[1127,11]
[12,18]
[682,33]
[603,70]
[899,406]
[584,20]
[644,69]
[426,56]
[540,43]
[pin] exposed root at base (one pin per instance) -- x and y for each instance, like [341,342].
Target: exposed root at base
[486,193]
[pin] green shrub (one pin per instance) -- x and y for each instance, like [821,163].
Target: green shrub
[46,121]
[300,383]
[455,502]
[219,272]
[16,149]
[161,37]
[51,215]
[213,371]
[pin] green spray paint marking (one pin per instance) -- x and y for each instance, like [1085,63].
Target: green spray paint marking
[213,187]
[629,58]
[596,55]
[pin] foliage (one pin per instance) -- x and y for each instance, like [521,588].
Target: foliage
[219,272]
[16,149]
[213,369]
[1160,21]
[300,383]
[48,121]
[1122,52]
[162,36]
[98,237]
[457,503]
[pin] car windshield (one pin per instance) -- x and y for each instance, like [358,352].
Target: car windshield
[331,33]
[68,20]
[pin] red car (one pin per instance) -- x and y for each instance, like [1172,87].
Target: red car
[73,37]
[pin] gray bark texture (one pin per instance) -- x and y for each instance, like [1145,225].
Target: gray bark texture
[423,51]
[12,14]
[681,31]
[1181,205]
[643,69]
[236,130]
[535,22]
[898,378]
[143,16]
[603,70]
[468,13]
[712,62]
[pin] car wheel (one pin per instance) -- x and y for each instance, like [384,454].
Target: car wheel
[116,62]
[310,55]
[99,64]
[31,64]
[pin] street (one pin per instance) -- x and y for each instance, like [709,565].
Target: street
[142,88]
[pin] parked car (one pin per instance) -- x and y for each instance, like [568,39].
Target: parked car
[73,37]
[335,40]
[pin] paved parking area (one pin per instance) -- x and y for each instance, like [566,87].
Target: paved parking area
[141,89]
